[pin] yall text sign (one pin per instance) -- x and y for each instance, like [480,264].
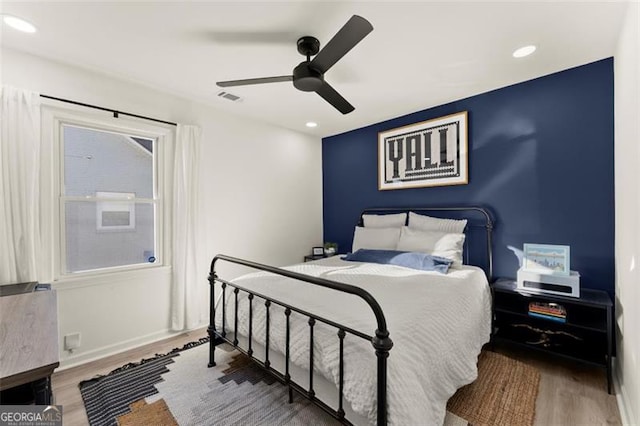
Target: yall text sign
[430,153]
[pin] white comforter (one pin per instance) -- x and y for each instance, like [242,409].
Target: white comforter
[438,324]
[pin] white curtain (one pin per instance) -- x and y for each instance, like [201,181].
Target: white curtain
[22,257]
[185,303]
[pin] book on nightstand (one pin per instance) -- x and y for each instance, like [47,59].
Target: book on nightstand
[548,310]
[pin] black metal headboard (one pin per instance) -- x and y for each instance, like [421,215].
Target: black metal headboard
[478,218]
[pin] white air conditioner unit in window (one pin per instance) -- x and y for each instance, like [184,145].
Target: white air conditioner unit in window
[119,214]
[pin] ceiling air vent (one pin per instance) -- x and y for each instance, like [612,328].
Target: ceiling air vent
[229,96]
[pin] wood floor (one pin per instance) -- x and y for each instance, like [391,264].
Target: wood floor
[569,394]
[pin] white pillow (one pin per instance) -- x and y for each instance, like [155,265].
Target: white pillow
[384,220]
[375,238]
[428,223]
[436,243]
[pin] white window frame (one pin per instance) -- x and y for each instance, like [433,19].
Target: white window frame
[53,122]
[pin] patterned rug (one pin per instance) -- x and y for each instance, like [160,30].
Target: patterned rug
[179,389]
[107,397]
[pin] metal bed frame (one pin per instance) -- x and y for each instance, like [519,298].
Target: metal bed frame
[380,341]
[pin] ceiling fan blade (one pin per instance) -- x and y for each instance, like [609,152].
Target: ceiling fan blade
[349,35]
[330,95]
[248,81]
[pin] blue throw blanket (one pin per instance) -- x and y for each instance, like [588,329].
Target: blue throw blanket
[408,259]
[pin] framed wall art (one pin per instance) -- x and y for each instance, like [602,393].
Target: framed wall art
[429,153]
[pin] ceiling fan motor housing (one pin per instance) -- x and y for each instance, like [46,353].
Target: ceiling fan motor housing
[306,78]
[308,46]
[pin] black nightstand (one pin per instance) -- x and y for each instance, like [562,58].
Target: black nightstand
[586,335]
[310,257]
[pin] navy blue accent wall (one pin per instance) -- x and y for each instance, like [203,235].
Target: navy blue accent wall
[541,157]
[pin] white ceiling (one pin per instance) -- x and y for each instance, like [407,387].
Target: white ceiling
[419,55]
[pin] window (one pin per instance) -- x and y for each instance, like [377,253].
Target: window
[110,214]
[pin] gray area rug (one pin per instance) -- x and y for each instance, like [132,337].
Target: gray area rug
[236,393]
[179,389]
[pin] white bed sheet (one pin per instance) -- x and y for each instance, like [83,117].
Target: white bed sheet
[438,324]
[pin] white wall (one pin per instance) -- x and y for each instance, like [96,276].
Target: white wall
[627,182]
[261,192]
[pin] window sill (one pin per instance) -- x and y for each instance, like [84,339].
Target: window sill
[69,282]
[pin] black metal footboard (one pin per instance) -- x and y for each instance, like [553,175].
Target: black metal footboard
[380,341]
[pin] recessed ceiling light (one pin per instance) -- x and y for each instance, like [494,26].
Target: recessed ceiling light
[524,51]
[18,24]
[311,124]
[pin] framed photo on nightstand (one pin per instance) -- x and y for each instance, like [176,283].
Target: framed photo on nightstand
[546,258]
[317,251]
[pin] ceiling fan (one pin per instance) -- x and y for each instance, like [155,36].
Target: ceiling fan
[308,76]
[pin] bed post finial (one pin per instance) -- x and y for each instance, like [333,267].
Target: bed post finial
[382,344]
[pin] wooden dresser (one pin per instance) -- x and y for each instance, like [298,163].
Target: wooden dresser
[29,342]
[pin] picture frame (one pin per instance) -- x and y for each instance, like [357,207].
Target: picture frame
[547,259]
[317,251]
[430,153]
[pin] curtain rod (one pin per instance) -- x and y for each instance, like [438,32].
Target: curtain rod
[115,112]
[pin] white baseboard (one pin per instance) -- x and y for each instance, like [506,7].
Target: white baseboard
[624,404]
[116,348]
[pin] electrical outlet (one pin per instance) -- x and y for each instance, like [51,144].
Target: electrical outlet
[72,341]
